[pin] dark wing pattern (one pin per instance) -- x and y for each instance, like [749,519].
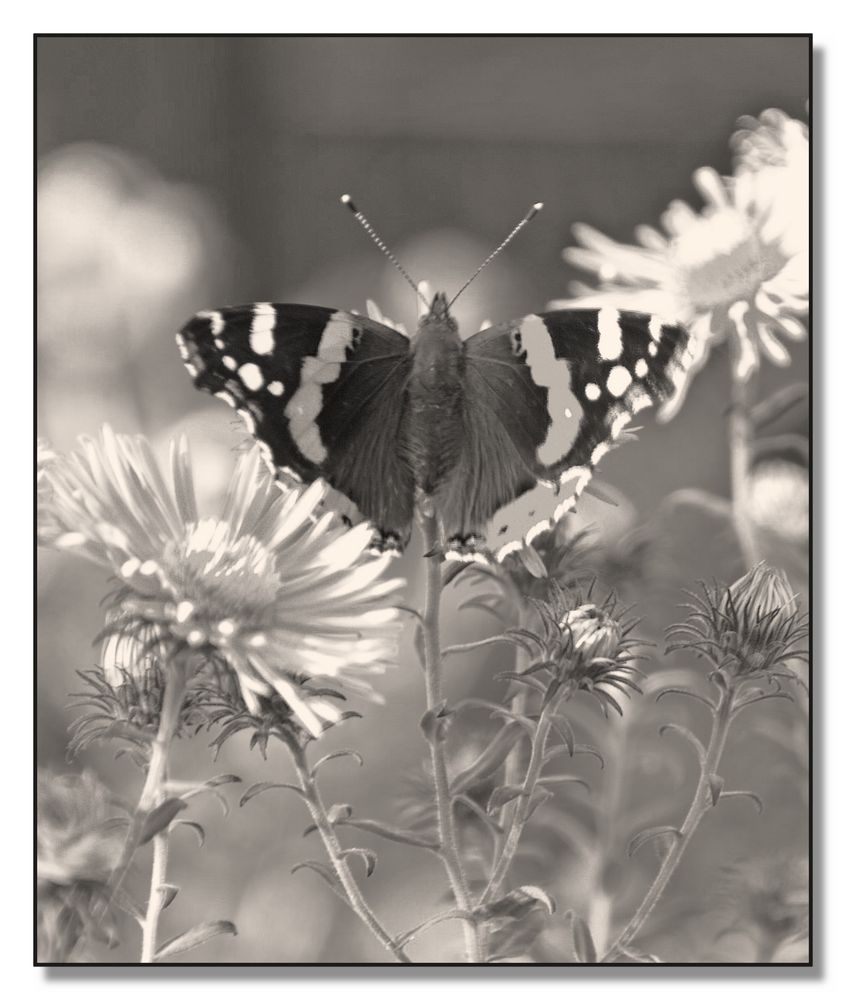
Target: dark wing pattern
[323,391]
[546,398]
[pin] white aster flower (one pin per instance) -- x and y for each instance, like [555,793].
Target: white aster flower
[274,587]
[732,269]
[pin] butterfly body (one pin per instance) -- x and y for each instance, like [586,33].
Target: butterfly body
[502,430]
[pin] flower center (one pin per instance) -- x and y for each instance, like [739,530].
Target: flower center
[224,575]
[721,259]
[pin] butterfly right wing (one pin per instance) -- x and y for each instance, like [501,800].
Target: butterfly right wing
[324,393]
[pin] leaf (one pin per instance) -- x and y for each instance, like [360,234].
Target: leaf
[263,786]
[641,838]
[480,604]
[515,904]
[715,785]
[368,856]
[564,779]
[439,918]
[200,832]
[687,694]
[325,872]
[541,895]
[584,949]
[222,779]
[339,811]
[434,722]
[169,892]
[756,800]
[587,748]
[388,832]
[195,937]
[539,796]
[502,796]
[160,818]
[489,760]
[337,754]
[683,731]
[564,731]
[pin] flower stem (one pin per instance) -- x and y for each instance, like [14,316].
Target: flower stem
[521,813]
[741,440]
[153,794]
[433,664]
[353,894]
[701,803]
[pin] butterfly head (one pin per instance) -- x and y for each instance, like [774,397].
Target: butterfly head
[438,316]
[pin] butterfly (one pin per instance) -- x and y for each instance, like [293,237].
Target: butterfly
[502,430]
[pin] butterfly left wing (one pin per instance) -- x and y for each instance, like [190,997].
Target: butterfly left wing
[323,391]
[545,399]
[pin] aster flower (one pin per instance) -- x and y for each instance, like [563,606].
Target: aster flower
[749,630]
[276,590]
[80,832]
[581,645]
[734,269]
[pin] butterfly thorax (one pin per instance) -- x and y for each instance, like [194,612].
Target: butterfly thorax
[435,395]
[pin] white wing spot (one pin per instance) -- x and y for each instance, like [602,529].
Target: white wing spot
[261,332]
[655,324]
[619,379]
[592,391]
[610,335]
[568,413]
[275,388]
[227,397]
[599,452]
[653,349]
[251,376]
[230,362]
[641,368]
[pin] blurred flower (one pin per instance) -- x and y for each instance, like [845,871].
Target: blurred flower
[747,630]
[80,833]
[777,499]
[769,900]
[580,645]
[775,151]
[738,269]
[278,591]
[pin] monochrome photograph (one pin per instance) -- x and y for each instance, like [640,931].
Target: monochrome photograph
[423,451]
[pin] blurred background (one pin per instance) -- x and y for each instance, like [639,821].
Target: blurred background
[177,174]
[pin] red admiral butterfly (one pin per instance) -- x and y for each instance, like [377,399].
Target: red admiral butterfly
[503,430]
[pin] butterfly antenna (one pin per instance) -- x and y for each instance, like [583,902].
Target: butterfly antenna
[371,232]
[527,218]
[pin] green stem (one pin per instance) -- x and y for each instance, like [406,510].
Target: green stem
[521,813]
[701,803]
[353,894]
[153,794]
[433,664]
[741,441]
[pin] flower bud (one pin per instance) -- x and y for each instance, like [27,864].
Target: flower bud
[760,601]
[594,633]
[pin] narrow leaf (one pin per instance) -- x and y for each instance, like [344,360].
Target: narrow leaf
[168,892]
[198,830]
[195,937]
[715,785]
[541,895]
[336,755]
[641,838]
[263,786]
[779,403]
[325,872]
[583,947]
[367,856]
[684,732]
[160,818]
[756,800]
[564,779]
[503,795]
